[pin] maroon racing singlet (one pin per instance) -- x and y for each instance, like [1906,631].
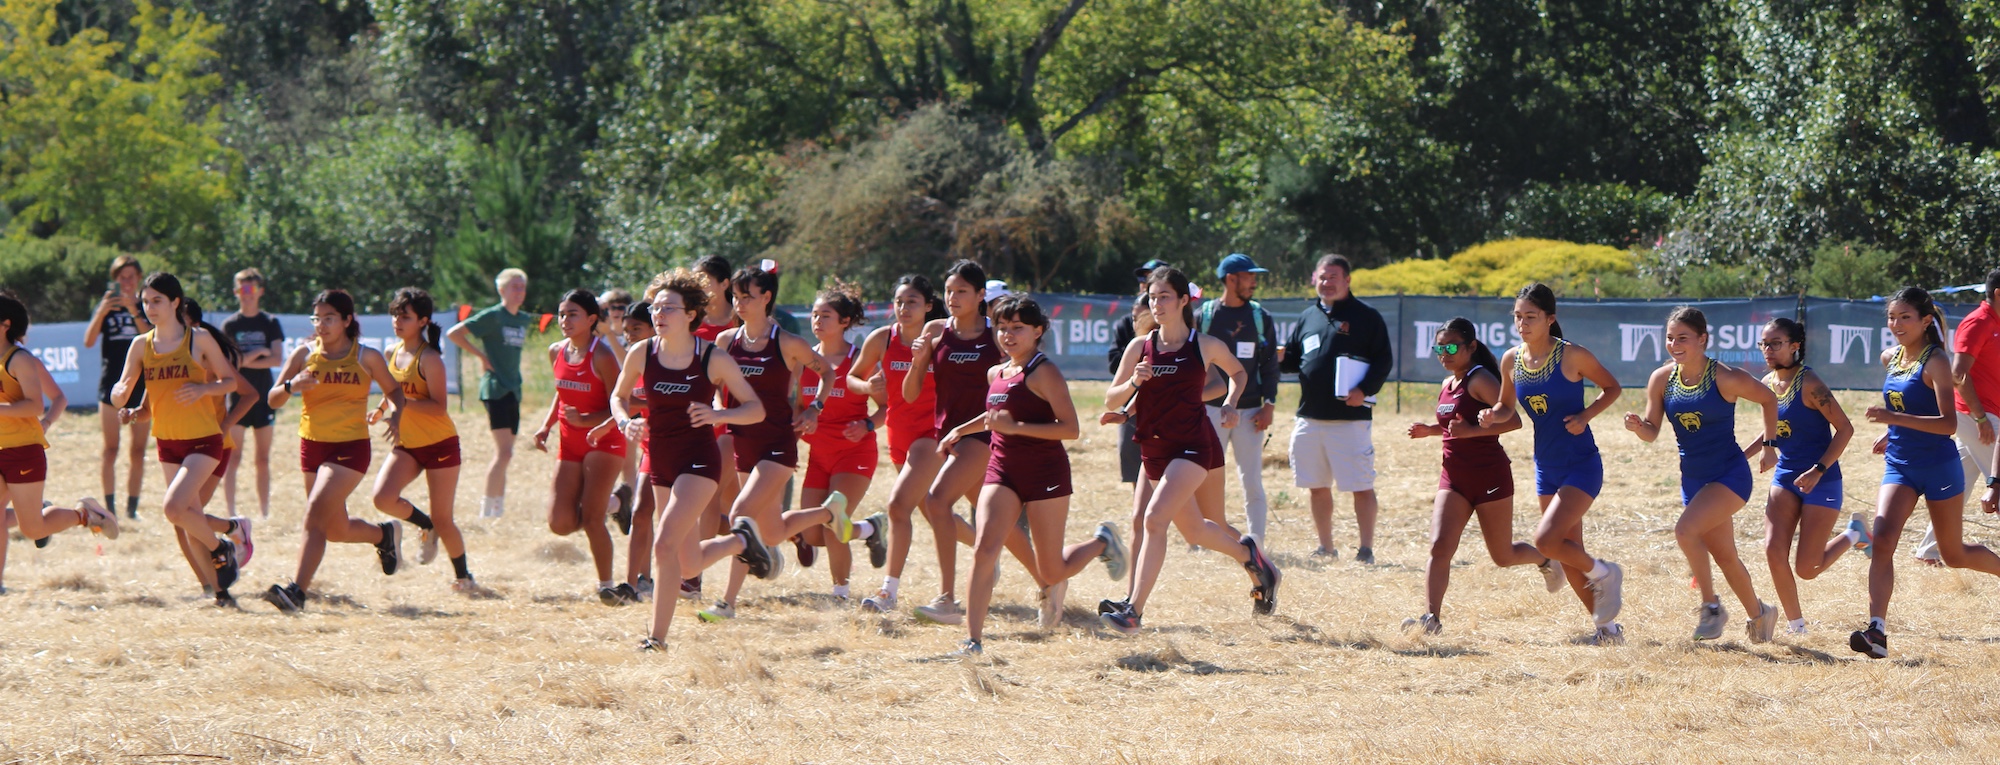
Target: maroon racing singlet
[1035,468]
[958,368]
[770,439]
[674,445]
[1475,467]
[1170,421]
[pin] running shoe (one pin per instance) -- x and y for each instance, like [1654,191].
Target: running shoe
[1552,575]
[289,598]
[1796,628]
[715,614]
[1609,635]
[645,587]
[627,594]
[1122,621]
[608,596]
[226,566]
[1608,593]
[881,602]
[843,526]
[99,520]
[1871,642]
[1116,561]
[806,553]
[968,649]
[224,600]
[1864,538]
[1763,626]
[878,540]
[764,561]
[623,512]
[466,586]
[1052,603]
[1428,624]
[390,549]
[943,610]
[1263,596]
[241,536]
[652,645]
[1109,606]
[427,546]
[691,589]
[1328,553]
[1365,556]
[1927,550]
[1713,620]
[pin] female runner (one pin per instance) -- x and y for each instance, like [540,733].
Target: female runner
[680,374]
[1178,449]
[331,375]
[843,456]
[767,451]
[911,421]
[1029,414]
[958,351]
[180,367]
[1919,459]
[638,524]
[426,439]
[24,466]
[1477,478]
[1546,374]
[235,528]
[719,317]
[1805,496]
[585,366]
[1698,395]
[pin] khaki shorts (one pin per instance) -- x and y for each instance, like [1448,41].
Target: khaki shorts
[1333,454]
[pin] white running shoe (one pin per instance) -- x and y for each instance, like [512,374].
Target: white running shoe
[843,526]
[1052,604]
[943,610]
[1116,561]
[1552,575]
[720,612]
[1713,619]
[1608,593]
[881,602]
[99,520]
[1927,550]
[427,546]
[1428,624]
[241,536]
[1761,627]
[1609,635]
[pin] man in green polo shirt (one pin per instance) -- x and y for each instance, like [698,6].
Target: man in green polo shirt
[502,330]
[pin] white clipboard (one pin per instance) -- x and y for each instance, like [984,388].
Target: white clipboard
[1347,374]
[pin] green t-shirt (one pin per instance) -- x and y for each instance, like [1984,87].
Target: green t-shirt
[501,335]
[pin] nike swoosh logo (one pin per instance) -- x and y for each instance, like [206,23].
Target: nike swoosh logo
[697,467]
[29,470]
[1053,488]
[693,376]
[777,454]
[1494,489]
[979,346]
[1191,451]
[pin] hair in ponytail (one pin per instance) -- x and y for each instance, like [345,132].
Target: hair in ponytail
[191,316]
[1539,295]
[973,274]
[1794,332]
[1178,282]
[418,303]
[934,309]
[1482,356]
[1920,301]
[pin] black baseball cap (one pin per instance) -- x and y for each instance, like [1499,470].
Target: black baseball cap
[1146,269]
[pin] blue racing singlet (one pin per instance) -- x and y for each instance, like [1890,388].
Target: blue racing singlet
[1904,391]
[1803,433]
[1705,428]
[1546,397]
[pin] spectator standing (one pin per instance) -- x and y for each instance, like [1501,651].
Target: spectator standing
[118,321]
[1251,336]
[1332,447]
[1128,327]
[502,329]
[262,341]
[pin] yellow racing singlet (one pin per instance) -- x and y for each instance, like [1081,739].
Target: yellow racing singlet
[336,407]
[418,429]
[17,431]
[165,374]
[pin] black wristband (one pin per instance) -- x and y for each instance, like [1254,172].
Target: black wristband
[288,386]
[1816,466]
[1773,443]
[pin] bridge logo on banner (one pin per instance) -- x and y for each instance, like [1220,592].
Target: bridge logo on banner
[1843,338]
[1633,337]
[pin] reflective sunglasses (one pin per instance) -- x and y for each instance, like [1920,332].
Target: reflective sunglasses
[1444,349]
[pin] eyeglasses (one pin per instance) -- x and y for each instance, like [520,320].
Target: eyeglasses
[1444,349]
[1773,344]
[661,308]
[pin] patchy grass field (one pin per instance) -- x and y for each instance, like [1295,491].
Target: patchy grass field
[109,654]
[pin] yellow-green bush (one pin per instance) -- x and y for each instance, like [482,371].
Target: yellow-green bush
[1499,269]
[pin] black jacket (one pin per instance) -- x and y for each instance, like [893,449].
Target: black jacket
[1349,328]
[1122,334]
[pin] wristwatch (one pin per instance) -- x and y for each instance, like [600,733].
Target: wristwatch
[1773,443]
[1992,480]
[1816,466]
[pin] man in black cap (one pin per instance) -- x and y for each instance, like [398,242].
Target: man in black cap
[1130,326]
[1332,448]
[1247,329]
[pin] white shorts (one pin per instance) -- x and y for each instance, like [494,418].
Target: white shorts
[1333,454]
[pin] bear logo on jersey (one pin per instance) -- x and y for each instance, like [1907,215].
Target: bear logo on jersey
[1689,420]
[1539,403]
[1896,400]
[1784,428]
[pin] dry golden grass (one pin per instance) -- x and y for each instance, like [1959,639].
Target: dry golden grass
[111,656]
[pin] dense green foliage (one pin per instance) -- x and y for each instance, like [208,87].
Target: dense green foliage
[1742,146]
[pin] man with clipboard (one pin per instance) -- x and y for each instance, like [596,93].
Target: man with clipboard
[1332,446]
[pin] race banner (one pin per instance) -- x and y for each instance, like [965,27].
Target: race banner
[1844,338]
[76,368]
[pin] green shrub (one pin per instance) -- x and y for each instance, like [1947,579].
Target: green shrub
[1500,268]
[1851,270]
[58,279]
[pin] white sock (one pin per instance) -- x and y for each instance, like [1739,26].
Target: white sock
[863,529]
[1798,625]
[605,585]
[840,591]
[889,585]
[1597,571]
[1877,623]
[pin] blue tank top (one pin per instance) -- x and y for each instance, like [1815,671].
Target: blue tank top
[1803,433]
[1547,396]
[1704,422]
[1904,391]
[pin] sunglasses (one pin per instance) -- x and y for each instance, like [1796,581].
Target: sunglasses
[1444,349]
